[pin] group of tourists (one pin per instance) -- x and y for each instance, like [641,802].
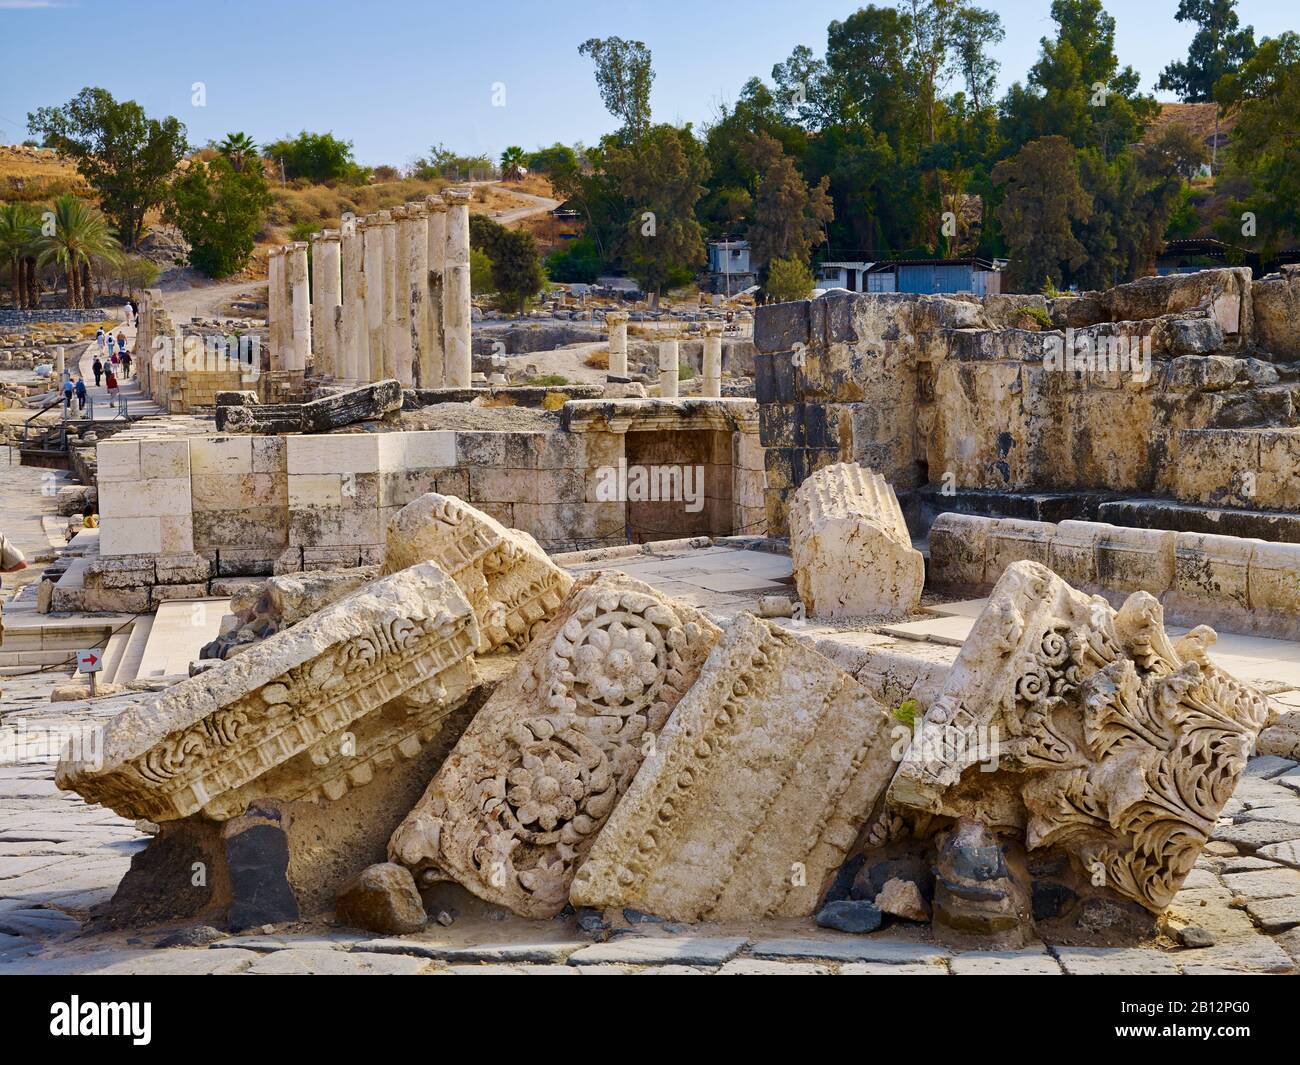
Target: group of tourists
[112,358]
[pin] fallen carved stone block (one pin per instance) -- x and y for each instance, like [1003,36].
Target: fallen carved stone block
[366,403]
[851,551]
[510,582]
[755,790]
[1087,733]
[308,712]
[517,804]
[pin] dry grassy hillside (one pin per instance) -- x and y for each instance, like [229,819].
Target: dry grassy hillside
[36,175]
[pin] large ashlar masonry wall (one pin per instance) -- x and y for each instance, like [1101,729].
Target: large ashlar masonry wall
[387,297]
[176,371]
[956,390]
[254,505]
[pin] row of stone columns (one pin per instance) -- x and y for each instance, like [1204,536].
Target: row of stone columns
[388,297]
[669,358]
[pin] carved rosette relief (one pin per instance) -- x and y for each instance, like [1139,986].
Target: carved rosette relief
[1127,744]
[213,742]
[512,585]
[518,802]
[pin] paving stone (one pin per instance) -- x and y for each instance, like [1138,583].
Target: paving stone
[326,962]
[1254,834]
[1288,812]
[879,968]
[264,944]
[1250,953]
[1216,970]
[1288,853]
[1114,961]
[1264,883]
[120,962]
[1289,941]
[759,967]
[1250,863]
[1289,780]
[637,950]
[673,970]
[504,953]
[509,970]
[1005,963]
[1200,878]
[852,949]
[1275,915]
[37,922]
[1267,766]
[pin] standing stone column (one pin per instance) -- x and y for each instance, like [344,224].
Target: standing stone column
[712,363]
[301,295]
[392,331]
[327,285]
[275,306]
[432,367]
[373,231]
[456,307]
[669,360]
[616,324]
[354,355]
[402,296]
[417,282]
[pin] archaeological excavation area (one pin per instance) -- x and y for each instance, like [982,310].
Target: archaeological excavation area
[942,635]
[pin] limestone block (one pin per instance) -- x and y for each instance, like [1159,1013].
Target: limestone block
[1210,570]
[850,548]
[344,453]
[165,458]
[772,762]
[516,806]
[130,536]
[1072,552]
[1014,540]
[1273,578]
[222,456]
[511,584]
[148,497]
[1135,560]
[1116,748]
[958,547]
[117,460]
[306,713]
[183,569]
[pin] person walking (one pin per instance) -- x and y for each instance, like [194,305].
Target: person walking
[99,339]
[67,396]
[81,394]
[126,364]
[121,343]
[110,381]
[128,315]
[98,367]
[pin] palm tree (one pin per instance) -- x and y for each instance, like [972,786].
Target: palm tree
[237,147]
[20,231]
[80,232]
[512,161]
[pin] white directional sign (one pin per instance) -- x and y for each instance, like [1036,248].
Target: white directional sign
[89,661]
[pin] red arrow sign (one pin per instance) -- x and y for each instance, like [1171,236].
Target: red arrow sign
[88,662]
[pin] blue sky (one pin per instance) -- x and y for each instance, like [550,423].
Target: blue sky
[396,76]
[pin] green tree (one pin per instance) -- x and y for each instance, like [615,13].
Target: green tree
[1219,48]
[512,162]
[238,148]
[317,157]
[789,216]
[516,265]
[788,280]
[579,262]
[1265,150]
[557,156]
[1044,199]
[662,177]
[220,210]
[77,235]
[20,234]
[126,156]
[623,75]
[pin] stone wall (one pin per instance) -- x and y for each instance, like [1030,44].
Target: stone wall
[1239,584]
[974,394]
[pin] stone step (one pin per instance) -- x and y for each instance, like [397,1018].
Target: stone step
[128,666]
[113,653]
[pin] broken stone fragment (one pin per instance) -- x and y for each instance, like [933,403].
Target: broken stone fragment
[367,403]
[903,898]
[296,716]
[756,790]
[854,916]
[975,893]
[1112,745]
[510,582]
[517,804]
[382,898]
[850,548]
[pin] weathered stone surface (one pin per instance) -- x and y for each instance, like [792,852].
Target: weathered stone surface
[903,898]
[512,585]
[304,696]
[851,549]
[1113,743]
[382,898]
[856,916]
[771,763]
[317,416]
[517,804]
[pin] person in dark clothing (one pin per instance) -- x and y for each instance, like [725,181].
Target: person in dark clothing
[67,395]
[126,364]
[81,394]
[98,367]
